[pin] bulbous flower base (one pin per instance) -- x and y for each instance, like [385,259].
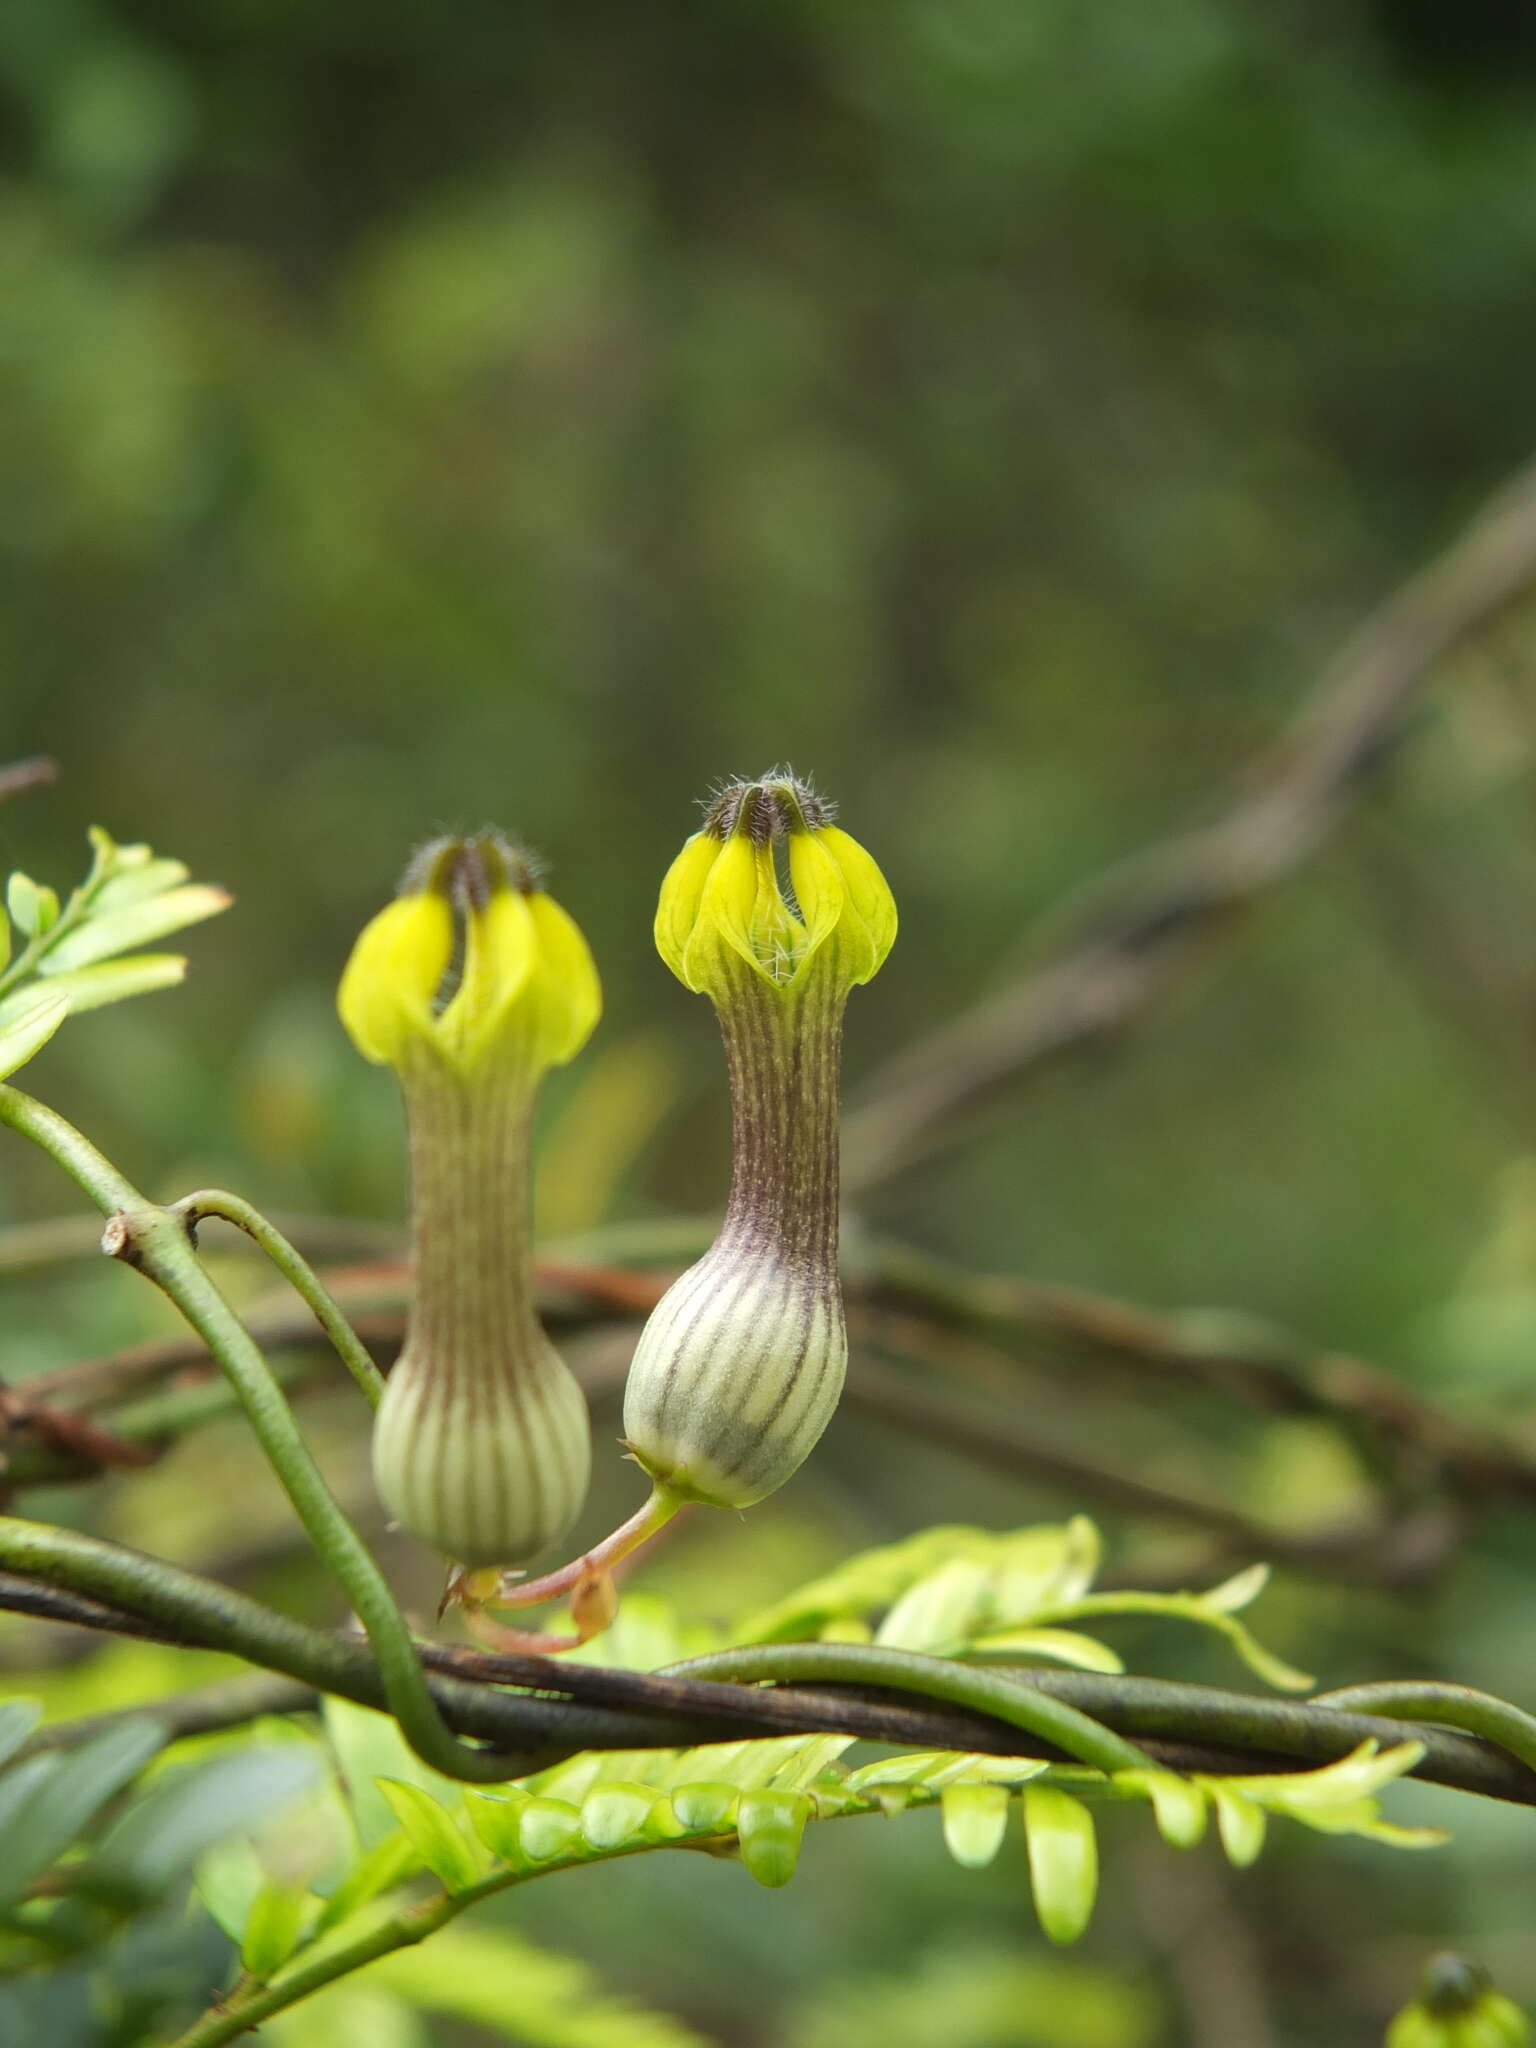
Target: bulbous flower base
[736,1375]
[490,1469]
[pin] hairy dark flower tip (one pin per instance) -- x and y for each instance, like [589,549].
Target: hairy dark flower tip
[768,809]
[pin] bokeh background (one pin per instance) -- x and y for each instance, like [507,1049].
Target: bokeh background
[415,418]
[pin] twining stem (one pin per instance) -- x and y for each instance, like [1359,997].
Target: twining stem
[569,1707]
[196,1611]
[155,1240]
[938,1678]
[1453,1706]
[296,1270]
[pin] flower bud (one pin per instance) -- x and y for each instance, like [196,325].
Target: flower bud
[481,1444]
[775,914]
[1457,2007]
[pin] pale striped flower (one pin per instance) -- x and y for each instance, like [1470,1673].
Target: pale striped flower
[775,914]
[481,1444]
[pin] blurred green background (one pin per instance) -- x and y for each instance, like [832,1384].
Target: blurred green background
[413,418]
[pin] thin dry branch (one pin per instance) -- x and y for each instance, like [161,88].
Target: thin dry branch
[16,776]
[1143,924]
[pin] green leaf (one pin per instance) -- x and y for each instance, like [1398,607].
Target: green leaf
[33,907]
[937,1767]
[614,1814]
[131,883]
[1363,1817]
[1028,1569]
[1237,1592]
[661,1823]
[1239,1821]
[186,1811]
[229,1876]
[26,1024]
[494,1817]
[1364,1771]
[133,924]
[1060,1645]
[114,981]
[17,1720]
[875,1579]
[57,1806]
[1178,1804]
[975,1821]
[940,1612]
[1038,1567]
[272,1932]
[388,1863]
[770,1827]
[19,1782]
[1063,1860]
[1195,1607]
[546,1828]
[441,1844]
[368,1746]
[706,1808]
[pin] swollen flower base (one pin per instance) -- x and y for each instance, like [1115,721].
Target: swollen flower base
[776,915]
[481,1444]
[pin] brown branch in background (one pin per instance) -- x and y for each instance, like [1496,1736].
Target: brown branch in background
[1233,1356]
[16,776]
[1186,1905]
[71,1434]
[1142,924]
[1381,1550]
[1431,1467]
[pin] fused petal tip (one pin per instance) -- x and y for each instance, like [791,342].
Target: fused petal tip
[771,882]
[527,986]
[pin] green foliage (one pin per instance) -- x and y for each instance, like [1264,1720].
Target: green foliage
[81,956]
[970,1591]
[973,1997]
[91,1864]
[517,1992]
[385,1833]
[751,1801]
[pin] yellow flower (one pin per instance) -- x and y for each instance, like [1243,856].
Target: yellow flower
[528,985]
[724,897]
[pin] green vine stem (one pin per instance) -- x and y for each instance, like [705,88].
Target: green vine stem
[295,1269]
[198,1612]
[155,1241]
[402,1928]
[92,1584]
[985,1692]
[1453,1706]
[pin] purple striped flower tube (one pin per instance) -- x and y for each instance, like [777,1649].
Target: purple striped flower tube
[481,1445]
[775,915]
